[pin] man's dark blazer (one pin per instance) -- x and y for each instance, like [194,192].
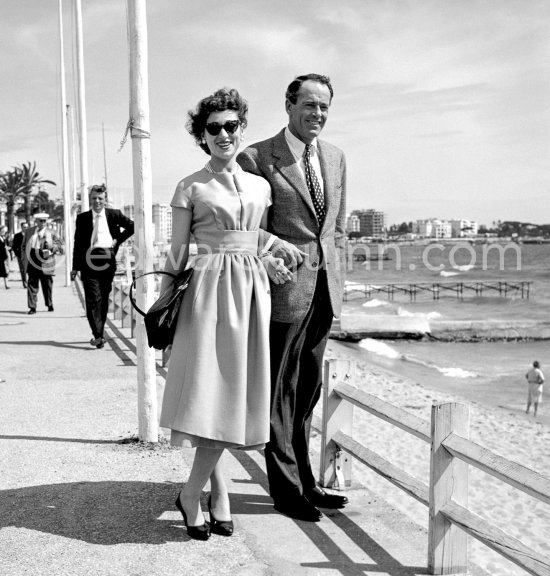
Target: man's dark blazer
[292,218]
[120,227]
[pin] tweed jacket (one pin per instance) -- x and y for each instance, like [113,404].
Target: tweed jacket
[120,228]
[292,218]
[40,263]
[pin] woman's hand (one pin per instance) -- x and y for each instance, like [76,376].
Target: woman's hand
[276,270]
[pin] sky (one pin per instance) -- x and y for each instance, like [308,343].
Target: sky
[442,107]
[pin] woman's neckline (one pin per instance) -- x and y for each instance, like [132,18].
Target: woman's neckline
[210,170]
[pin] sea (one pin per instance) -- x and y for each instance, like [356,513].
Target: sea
[492,373]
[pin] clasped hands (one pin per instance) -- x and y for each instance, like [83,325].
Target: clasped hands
[284,258]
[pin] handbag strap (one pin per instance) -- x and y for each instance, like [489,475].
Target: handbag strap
[133,287]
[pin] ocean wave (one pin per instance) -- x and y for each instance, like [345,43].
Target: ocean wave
[464,267]
[457,372]
[380,348]
[433,315]
[375,303]
[446,371]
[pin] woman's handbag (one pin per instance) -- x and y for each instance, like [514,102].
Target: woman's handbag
[161,318]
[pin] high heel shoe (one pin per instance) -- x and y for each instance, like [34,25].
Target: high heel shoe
[220,527]
[201,532]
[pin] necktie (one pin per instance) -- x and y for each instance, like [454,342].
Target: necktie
[94,233]
[313,185]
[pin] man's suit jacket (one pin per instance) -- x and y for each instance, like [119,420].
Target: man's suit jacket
[292,218]
[17,243]
[120,228]
[40,263]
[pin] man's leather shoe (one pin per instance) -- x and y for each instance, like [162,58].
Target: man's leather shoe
[98,342]
[50,308]
[318,497]
[32,311]
[299,509]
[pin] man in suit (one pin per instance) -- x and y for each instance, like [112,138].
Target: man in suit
[99,232]
[308,183]
[38,253]
[16,248]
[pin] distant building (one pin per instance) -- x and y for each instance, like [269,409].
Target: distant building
[161,220]
[462,228]
[353,223]
[129,211]
[433,228]
[367,223]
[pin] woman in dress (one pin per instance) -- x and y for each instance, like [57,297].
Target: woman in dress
[4,256]
[217,391]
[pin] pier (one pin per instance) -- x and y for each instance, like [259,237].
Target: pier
[503,288]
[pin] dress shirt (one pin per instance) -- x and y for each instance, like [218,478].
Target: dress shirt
[36,238]
[297,148]
[104,238]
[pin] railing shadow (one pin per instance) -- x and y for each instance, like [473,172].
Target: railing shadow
[336,558]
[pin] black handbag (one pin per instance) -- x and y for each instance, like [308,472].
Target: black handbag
[162,317]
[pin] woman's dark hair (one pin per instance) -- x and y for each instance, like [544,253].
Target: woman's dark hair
[536,364]
[296,84]
[223,99]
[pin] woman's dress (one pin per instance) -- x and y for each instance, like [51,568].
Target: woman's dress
[4,262]
[217,389]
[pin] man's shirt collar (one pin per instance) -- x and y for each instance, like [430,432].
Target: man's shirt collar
[297,146]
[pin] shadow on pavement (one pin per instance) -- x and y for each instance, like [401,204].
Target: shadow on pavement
[105,513]
[336,557]
[83,345]
[54,439]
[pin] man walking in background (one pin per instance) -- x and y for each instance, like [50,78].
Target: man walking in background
[16,246]
[308,183]
[38,252]
[99,232]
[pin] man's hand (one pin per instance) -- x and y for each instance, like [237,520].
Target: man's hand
[74,274]
[276,270]
[291,254]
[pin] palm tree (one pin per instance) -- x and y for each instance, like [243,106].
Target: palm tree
[31,179]
[11,190]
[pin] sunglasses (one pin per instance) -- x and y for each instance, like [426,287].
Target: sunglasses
[230,127]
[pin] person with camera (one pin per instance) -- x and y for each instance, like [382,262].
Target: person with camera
[40,245]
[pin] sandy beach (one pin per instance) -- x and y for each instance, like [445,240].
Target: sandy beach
[515,436]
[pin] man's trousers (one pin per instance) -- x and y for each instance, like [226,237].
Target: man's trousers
[35,278]
[297,352]
[98,281]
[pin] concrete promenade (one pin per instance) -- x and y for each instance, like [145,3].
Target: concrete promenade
[78,495]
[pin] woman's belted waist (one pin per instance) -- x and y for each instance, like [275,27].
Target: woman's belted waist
[223,241]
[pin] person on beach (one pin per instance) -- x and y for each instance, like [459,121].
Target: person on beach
[308,216]
[16,246]
[40,245]
[217,386]
[4,256]
[535,380]
[98,234]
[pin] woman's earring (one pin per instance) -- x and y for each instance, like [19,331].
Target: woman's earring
[203,141]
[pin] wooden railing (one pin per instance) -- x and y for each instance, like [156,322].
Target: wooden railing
[450,520]
[120,306]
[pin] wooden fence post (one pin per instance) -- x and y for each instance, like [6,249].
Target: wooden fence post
[335,469]
[447,544]
[112,297]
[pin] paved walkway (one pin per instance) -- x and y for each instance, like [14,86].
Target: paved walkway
[79,498]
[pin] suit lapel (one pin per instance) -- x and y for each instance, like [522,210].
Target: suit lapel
[286,164]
